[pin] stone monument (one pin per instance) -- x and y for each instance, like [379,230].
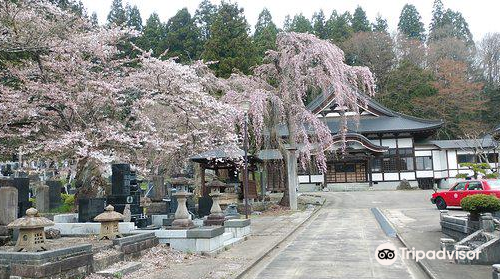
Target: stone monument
[8,205]
[109,220]
[182,220]
[31,233]
[42,198]
[216,217]
[54,193]
[159,191]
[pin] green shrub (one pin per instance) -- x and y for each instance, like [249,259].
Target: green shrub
[68,204]
[480,203]
[461,175]
[491,175]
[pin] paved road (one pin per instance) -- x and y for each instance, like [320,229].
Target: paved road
[341,241]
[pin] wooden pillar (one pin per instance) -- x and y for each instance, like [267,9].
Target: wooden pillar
[369,166]
[204,190]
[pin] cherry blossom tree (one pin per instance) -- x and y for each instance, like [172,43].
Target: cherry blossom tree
[72,95]
[301,64]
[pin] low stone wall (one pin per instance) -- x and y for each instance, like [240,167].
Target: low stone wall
[69,262]
[79,229]
[457,227]
[132,246]
[72,262]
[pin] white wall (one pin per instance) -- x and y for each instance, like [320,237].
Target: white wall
[405,142]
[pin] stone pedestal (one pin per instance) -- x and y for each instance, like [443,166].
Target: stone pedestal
[8,205]
[182,220]
[42,198]
[216,217]
[486,222]
[181,216]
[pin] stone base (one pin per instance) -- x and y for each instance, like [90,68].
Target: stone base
[72,262]
[181,224]
[214,220]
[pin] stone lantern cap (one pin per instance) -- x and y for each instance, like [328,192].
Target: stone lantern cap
[181,181]
[30,221]
[109,215]
[217,184]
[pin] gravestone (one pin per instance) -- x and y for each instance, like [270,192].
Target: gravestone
[88,209]
[22,185]
[120,179]
[42,198]
[8,205]
[159,190]
[125,191]
[54,193]
[204,205]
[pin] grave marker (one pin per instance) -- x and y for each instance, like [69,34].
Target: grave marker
[8,205]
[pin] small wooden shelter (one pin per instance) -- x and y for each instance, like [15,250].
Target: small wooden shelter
[231,162]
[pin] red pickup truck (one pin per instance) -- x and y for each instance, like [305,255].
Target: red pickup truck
[463,189]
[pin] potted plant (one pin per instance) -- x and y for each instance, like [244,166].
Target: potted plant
[480,203]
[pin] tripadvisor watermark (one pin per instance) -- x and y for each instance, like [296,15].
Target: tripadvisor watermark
[387,254]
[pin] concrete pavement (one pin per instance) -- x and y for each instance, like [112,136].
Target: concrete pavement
[339,243]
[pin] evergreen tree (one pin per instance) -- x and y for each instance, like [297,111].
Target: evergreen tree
[359,21]
[339,27]
[405,84]
[437,16]
[117,14]
[301,24]
[449,23]
[265,33]
[183,37]
[94,20]
[319,25]
[134,19]
[410,23]
[204,17]
[380,25]
[229,42]
[153,36]
[287,24]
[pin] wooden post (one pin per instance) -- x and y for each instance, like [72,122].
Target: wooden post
[204,192]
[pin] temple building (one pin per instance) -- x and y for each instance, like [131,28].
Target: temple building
[385,147]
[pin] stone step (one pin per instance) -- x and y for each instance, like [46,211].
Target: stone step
[121,270]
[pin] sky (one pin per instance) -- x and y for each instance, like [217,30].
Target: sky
[482,15]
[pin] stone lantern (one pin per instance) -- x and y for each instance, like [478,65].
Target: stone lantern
[109,220]
[181,216]
[31,233]
[216,217]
